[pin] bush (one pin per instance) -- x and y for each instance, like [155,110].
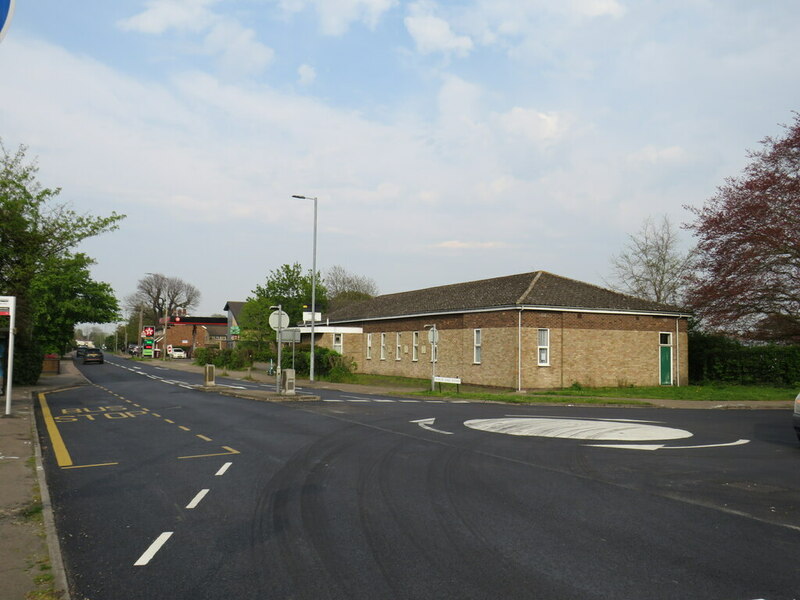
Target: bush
[715,358]
[28,357]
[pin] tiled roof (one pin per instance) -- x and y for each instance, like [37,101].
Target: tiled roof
[537,289]
[234,307]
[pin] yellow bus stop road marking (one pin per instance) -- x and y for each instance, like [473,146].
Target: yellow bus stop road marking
[87,466]
[59,448]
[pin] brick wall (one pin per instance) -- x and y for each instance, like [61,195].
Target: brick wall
[590,349]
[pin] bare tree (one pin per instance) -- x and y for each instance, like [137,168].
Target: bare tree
[345,288]
[652,265]
[156,293]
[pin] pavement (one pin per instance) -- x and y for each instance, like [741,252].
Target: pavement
[30,556]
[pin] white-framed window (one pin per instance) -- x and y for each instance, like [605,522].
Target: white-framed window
[383,346]
[369,346]
[415,346]
[543,347]
[476,346]
[338,343]
[399,350]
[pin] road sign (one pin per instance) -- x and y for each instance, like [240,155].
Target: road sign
[433,336]
[8,306]
[279,320]
[148,331]
[289,336]
[6,12]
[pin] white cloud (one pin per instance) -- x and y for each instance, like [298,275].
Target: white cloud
[237,50]
[306,74]
[653,155]
[531,124]
[458,245]
[433,34]
[336,16]
[162,15]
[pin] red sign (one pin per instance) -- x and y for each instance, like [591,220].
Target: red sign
[148,331]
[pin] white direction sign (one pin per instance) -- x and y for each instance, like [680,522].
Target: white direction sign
[279,320]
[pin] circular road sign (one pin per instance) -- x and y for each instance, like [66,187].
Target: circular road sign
[6,12]
[279,320]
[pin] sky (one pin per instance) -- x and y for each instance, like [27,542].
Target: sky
[446,141]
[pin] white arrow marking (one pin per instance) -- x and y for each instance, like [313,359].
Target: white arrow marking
[426,424]
[665,447]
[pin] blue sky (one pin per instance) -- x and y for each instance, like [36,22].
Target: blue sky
[446,141]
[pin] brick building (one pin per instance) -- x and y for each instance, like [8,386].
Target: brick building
[527,331]
[193,332]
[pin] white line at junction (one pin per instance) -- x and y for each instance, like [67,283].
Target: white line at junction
[196,500]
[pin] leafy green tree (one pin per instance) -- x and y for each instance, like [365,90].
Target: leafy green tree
[65,294]
[36,233]
[290,288]
[254,321]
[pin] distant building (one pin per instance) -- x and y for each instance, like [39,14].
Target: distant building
[526,331]
[194,332]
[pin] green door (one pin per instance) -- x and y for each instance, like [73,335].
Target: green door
[666,365]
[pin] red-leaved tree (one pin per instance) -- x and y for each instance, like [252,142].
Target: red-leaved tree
[748,250]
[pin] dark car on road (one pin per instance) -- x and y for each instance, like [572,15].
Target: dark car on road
[93,355]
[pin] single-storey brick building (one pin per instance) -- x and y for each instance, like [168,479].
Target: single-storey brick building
[527,331]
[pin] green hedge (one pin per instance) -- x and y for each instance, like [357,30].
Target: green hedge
[327,363]
[717,359]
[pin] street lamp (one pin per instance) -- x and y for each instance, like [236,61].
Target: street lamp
[313,282]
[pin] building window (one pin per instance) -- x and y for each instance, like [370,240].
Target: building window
[543,348]
[415,346]
[369,346]
[398,348]
[476,344]
[383,346]
[337,343]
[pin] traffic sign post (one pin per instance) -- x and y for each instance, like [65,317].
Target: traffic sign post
[279,321]
[8,305]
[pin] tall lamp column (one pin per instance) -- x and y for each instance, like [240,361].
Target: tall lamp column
[313,283]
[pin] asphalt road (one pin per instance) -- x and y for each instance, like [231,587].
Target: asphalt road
[161,491]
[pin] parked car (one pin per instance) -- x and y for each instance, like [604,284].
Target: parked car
[177,353]
[80,350]
[796,416]
[93,355]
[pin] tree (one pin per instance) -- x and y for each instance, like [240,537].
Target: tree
[291,289]
[748,248]
[155,293]
[346,288]
[35,234]
[66,294]
[652,265]
[254,321]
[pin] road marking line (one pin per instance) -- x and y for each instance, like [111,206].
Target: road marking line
[156,415]
[188,387]
[59,448]
[358,400]
[184,428]
[383,400]
[409,400]
[332,400]
[228,448]
[87,466]
[196,500]
[202,437]
[170,421]
[223,468]
[151,551]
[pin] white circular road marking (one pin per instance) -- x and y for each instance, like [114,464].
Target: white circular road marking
[578,429]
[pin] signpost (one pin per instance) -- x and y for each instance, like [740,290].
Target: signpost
[433,338]
[279,321]
[8,305]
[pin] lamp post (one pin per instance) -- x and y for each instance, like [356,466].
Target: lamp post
[313,282]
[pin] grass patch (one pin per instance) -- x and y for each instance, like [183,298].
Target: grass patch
[708,393]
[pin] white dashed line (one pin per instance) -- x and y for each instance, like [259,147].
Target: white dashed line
[196,500]
[151,551]
[223,468]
